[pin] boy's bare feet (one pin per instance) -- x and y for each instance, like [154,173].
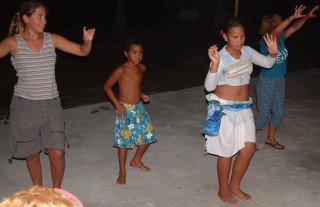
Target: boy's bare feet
[140,165]
[226,196]
[122,178]
[240,194]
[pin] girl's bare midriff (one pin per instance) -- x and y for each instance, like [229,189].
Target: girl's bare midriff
[235,93]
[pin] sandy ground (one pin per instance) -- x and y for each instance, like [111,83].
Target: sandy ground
[182,175]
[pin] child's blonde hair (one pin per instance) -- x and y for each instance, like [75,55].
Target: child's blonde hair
[269,22]
[37,196]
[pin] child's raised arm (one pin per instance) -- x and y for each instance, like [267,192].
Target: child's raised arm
[285,23]
[299,23]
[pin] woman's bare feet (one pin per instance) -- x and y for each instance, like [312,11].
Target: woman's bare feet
[226,196]
[122,178]
[240,194]
[140,165]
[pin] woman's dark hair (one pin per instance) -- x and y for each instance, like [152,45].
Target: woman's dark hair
[131,40]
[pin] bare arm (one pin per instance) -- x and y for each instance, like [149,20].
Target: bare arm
[144,96]
[8,45]
[299,23]
[285,23]
[111,81]
[74,48]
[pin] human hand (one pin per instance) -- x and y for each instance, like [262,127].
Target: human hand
[145,98]
[121,110]
[213,54]
[297,12]
[88,34]
[272,45]
[312,11]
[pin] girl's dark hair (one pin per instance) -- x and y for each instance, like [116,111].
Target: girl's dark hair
[27,8]
[131,40]
[229,23]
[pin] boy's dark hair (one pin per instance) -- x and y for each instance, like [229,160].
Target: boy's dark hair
[131,40]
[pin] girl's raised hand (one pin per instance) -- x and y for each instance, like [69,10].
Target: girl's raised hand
[298,10]
[213,54]
[272,45]
[312,11]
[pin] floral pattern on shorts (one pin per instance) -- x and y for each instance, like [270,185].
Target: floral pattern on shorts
[133,129]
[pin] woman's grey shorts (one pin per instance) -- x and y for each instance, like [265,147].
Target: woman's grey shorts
[36,125]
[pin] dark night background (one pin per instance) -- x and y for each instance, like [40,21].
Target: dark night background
[175,47]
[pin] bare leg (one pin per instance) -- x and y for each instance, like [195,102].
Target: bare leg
[271,137]
[34,168]
[271,134]
[136,160]
[224,166]
[57,166]
[240,167]
[122,156]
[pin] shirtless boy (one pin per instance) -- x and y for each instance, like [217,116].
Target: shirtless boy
[132,125]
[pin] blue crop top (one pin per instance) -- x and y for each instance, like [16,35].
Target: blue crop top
[236,72]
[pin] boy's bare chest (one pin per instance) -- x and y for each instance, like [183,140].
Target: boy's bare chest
[134,75]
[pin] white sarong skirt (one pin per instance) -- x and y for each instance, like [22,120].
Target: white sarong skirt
[237,127]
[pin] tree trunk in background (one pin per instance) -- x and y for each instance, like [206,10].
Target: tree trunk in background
[236,8]
[217,18]
[119,26]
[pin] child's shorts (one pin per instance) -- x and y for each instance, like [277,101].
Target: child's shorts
[133,129]
[36,125]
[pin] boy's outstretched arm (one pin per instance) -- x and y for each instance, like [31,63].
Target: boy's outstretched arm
[299,23]
[111,81]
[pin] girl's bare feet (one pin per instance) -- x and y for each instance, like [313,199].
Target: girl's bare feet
[140,165]
[226,196]
[240,194]
[122,178]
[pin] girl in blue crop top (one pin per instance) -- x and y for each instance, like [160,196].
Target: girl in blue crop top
[228,80]
[270,88]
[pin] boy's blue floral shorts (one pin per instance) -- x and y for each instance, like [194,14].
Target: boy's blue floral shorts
[135,128]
